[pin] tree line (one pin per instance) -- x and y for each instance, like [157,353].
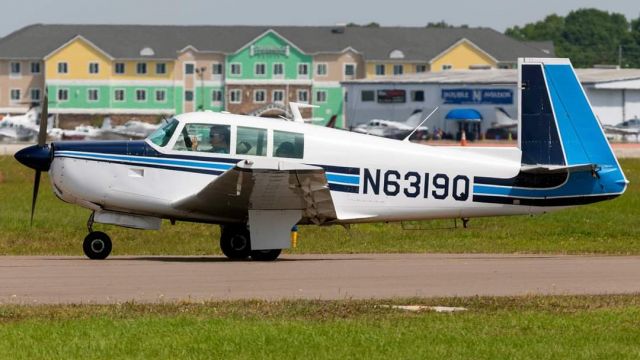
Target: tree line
[588,37]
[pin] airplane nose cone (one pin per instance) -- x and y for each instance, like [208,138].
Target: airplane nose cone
[36,157]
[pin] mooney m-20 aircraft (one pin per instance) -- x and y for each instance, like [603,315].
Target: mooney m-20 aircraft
[258,177]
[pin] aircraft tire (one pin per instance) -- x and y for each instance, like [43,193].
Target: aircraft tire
[97,245]
[265,255]
[235,242]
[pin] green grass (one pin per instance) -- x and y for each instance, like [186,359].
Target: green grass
[556,327]
[605,228]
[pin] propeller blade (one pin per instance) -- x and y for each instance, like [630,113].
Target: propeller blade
[36,186]
[44,116]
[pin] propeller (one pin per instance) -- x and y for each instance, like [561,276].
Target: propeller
[39,156]
[42,140]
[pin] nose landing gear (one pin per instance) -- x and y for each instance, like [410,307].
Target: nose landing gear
[96,245]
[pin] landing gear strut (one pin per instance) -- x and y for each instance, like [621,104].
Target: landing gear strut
[96,245]
[235,243]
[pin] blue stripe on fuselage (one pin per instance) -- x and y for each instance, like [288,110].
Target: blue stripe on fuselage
[140,154]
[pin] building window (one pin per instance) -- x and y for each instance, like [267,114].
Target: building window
[216,69]
[63,68]
[15,69]
[447,67]
[94,68]
[321,69]
[15,95]
[35,68]
[417,95]
[278,70]
[188,95]
[235,96]
[189,69]
[119,68]
[398,69]
[367,95]
[236,69]
[277,96]
[63,94]
[349,69]
[161,68]
[216,96]
[259,96]
[380,70]
[260,69]
[35,94]
[321,96]
[141,68]
[303,69]
[141,95]
[92,94]
[161,96]
[420,68]
[303,96]
[118,95]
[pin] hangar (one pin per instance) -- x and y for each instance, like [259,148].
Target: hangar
[614,94]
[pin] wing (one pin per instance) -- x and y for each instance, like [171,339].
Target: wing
[266,184]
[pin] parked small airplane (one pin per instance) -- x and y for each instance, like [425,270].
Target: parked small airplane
[503,120]
[625,128]
[258,177]
[393,129]
[132,129]
[21,127]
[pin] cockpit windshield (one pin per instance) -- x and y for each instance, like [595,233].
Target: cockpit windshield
[162,136]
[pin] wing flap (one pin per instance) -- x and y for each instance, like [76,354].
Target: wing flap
[264,185]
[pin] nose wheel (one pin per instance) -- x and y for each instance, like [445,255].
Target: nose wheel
[97,245]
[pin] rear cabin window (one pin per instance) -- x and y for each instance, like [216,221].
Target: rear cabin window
[162,136]
[251,141]
[288,144]
[204,138]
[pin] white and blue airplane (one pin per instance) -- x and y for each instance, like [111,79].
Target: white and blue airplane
[257,177]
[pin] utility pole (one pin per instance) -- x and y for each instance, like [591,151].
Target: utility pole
[620,56]
[200,71]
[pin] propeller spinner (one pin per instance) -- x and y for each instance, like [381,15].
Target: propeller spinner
[38,157]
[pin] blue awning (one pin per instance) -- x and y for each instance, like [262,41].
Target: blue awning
[469,115]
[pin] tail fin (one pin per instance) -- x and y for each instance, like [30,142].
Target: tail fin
[558,128]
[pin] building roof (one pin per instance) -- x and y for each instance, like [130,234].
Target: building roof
[125,41]
[586,76]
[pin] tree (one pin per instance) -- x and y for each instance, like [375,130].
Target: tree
[586,36]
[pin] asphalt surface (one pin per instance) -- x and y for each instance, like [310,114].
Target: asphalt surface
[37,280]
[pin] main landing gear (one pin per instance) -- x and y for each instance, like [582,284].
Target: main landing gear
[96,245]
[235,243]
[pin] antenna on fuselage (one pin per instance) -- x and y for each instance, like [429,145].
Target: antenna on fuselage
[422,122]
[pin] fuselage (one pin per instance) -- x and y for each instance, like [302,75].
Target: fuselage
[371,179]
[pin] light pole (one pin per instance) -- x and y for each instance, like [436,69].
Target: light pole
[200,71]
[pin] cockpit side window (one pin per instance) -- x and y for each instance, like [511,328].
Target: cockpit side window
[163,134]
[251,141]
[204,138]
[288,144]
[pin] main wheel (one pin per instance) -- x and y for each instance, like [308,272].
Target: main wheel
[97,245]
[265,255]
[235,242]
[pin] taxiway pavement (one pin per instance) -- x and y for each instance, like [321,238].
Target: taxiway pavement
[38,280]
